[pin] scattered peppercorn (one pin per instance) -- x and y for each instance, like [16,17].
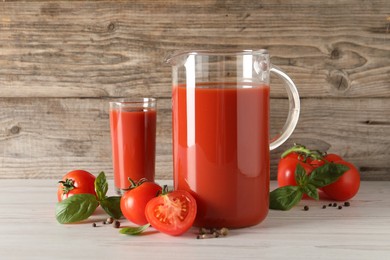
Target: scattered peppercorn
[347,204]
[224,231]
[340,207]
[324,206]
[330,205]
[116,224]
[93,224]
[109,220]
[205,233]
[205,236]
[334,204]
[306,208]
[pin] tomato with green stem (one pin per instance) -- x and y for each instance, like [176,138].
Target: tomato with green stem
[287,167]
[134,201]
[76,182]
[331,157]
[172,213]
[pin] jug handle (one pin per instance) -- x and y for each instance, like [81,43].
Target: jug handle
[294,109]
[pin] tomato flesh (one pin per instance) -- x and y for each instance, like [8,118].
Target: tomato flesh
[172,213]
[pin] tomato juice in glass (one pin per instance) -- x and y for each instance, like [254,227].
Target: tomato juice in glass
[221,151]
[133,138]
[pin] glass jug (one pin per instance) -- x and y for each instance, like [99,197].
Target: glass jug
[221,142]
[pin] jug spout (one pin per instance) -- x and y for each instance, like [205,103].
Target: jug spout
[178,58]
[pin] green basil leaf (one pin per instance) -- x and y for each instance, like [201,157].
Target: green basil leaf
[111,205]
[76,208]
[284,198]
[301,177]
[134,230]
[327,174]
[311,191]
[101,186]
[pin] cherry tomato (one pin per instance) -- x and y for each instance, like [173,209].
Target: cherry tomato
[76,182]
[172,213]
[133,202]
[287,167]
[346,186]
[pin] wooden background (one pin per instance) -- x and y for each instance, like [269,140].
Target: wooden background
[62,61]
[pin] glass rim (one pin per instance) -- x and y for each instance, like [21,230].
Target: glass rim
[217,52]
[129,101]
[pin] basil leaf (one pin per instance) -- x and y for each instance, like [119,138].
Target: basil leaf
[76,208]
[327,174]
[311,191]
[101,186]
[301,177]
[134,230]
[284,198]
[111,205]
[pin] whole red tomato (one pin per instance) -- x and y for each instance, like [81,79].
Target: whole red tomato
[346,186]
[172,213]
[287,167]
[134,201]
[76,182]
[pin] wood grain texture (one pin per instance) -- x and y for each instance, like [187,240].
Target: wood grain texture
[61,61]
[36,144]
[358,232]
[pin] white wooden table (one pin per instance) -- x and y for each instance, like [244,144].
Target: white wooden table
[28,230]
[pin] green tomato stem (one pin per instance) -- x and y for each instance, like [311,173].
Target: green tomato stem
[300,149]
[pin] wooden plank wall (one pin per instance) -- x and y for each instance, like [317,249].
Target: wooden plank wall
[61,61]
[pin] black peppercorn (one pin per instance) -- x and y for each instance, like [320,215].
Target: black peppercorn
[330,205]
[116,224]
[340,207]
[94,224]
[347,204]
[306,208]
[335,204]
[324,206]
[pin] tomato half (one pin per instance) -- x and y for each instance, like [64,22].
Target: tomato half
[76,182]
[133,202]
[172,213]
[287,167]
[346,186]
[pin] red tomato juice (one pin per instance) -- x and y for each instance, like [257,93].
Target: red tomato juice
[221,151]
[133,137]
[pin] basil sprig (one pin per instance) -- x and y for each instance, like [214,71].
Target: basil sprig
[76,208]
[111,205]
[133,231]
[284,198]
[81,206]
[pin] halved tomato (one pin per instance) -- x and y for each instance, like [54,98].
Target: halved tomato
[172,213]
